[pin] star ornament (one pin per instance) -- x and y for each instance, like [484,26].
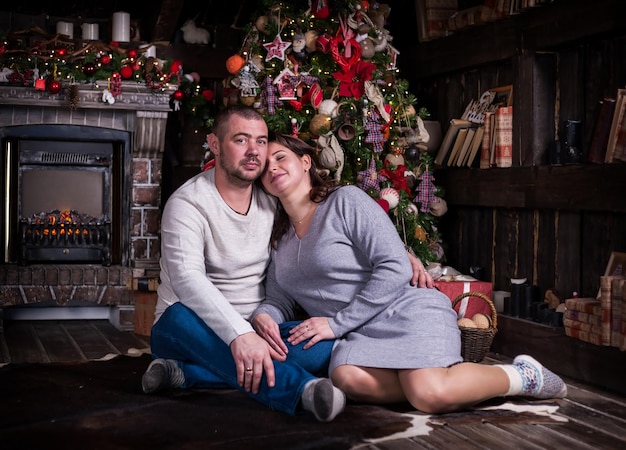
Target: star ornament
[276,48]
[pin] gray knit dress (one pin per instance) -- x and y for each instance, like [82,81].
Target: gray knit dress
[352,267]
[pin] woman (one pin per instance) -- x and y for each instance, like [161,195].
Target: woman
[338,255]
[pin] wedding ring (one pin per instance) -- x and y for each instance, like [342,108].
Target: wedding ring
[248,369]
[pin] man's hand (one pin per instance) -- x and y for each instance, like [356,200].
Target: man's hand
[268,329]
[252,356]
[421,277]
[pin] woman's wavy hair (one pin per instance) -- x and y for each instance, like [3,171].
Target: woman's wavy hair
[321,185]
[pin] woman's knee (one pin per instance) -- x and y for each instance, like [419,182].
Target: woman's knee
[429,395]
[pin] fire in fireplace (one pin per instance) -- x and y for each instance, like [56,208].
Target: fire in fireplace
[65,236]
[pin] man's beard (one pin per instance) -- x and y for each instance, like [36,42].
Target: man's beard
[239,176]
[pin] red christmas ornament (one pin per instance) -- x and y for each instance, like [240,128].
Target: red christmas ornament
[178,95]
[320,9]
[126,72]
[89,69]
[105,59]
[54,86]
[132,53]
[61,52]
[177,66]
[208,95]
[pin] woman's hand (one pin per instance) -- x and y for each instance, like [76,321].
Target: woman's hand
[267,328]
[314,329]
[421,277]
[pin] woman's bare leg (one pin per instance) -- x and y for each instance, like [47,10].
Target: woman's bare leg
[370,385]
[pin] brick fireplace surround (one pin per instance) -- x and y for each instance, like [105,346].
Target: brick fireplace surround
[140,111]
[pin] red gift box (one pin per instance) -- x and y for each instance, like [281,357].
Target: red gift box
[469,305]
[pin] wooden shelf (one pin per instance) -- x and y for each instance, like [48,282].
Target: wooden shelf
[571,187]
[543,28]
[593,364]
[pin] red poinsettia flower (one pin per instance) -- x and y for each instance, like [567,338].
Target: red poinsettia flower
[351,82]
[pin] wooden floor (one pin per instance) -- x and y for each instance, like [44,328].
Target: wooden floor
[588,418]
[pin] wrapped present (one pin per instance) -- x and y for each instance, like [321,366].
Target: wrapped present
[469,305]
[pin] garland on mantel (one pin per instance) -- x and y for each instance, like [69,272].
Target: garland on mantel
[52,63]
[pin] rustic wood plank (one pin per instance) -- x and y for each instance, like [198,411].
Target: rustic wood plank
[121,341]
[91,343]
[22,343]
[543,436]
[443,436]
[597,400]
[57,344]
[568,254]
[492,437]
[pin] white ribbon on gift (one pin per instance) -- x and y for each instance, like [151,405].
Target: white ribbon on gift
[464,301]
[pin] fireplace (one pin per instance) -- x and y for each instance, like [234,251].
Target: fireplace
[80,191]
[69,187]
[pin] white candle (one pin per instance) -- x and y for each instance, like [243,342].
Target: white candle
[66,28]
[90,31]
[121,27]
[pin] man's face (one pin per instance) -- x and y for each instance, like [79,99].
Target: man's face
[243,151]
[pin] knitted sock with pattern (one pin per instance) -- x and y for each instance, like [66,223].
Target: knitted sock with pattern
[528,377]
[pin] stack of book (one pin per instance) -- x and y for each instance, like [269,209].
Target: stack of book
[433,18]
[599,320]
[583,319]
[482,137]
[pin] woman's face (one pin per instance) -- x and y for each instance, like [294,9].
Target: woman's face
[285,171]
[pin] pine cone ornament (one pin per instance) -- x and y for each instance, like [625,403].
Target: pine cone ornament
[72,96]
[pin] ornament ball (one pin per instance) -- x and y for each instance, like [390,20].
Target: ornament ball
[412,153]
[54,86]
[126,72]
[89,69]
[178,95]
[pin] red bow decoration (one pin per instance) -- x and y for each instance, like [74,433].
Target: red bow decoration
[351,80]
[397,178]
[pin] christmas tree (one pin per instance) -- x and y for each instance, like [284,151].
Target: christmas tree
[326,72]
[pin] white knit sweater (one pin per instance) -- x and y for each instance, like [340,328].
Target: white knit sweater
[213,260]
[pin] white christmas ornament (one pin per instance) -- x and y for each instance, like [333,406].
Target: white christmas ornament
[391,195]
[328,107]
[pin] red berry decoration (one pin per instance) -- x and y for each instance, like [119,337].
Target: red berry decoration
[89,69]
[178,95]
[132,53]
[126,72]
[54,86]
[105,59]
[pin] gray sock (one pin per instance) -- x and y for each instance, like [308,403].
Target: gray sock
[323,399]
[162,374]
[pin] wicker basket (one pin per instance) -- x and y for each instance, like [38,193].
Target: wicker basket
[476,342]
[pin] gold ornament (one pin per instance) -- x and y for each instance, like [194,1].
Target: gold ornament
[318,123]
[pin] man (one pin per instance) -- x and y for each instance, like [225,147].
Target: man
[215,234]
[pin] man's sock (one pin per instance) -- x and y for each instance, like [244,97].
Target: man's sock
[528,377]
[323,399]
[162,374]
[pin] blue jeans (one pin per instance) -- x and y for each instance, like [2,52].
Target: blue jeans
[207,361]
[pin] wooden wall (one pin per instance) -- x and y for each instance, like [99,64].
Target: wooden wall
[555,226]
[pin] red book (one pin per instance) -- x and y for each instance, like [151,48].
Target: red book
[617,309]
[504,136]
[485,149]
[605,305]
[600,140]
